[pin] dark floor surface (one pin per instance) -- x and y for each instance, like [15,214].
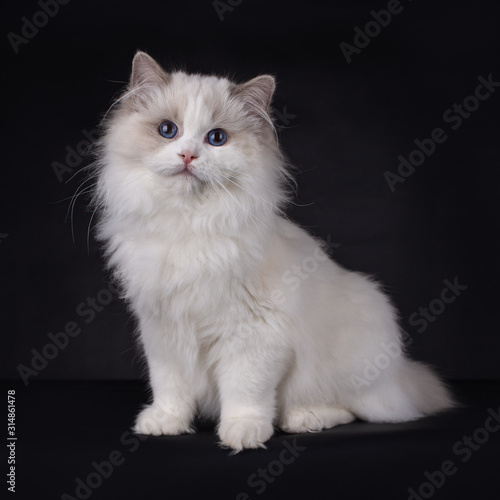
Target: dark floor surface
[70,433]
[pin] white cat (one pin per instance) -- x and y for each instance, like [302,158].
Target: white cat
[242,316]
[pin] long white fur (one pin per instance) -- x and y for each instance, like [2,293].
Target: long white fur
[208,266]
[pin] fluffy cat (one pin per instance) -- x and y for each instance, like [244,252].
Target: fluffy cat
[242,316]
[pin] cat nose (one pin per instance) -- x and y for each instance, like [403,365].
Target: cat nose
[187,157]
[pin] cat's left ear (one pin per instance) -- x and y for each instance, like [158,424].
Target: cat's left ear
[257,94]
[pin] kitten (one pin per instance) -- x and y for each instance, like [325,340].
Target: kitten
[191,182]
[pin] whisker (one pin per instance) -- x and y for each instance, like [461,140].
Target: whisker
[281,197]
[257,196]
[82,190]
[125,95]
[78,192]
[72,205]
[79,171]
[238,204]
[68,197]
[90,225]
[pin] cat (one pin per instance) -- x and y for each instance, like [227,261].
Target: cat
[191,186]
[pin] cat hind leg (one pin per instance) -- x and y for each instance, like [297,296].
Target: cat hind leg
[314,418]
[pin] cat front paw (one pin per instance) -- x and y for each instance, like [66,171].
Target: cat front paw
[245,432]
[156,421]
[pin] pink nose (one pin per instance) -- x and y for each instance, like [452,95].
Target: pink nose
[187,157]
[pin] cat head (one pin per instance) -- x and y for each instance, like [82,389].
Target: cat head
[194,136]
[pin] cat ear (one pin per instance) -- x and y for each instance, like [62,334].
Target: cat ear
[147,76]
[257,94]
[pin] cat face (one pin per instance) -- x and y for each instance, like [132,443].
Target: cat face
[193,133]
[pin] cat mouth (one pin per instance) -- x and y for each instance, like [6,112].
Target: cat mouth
[186,172]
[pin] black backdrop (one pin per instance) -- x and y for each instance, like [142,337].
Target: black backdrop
[342,123]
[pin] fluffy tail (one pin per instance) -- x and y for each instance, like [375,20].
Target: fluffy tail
[410,391]
[427,391]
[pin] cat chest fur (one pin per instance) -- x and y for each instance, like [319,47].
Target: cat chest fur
[184,277]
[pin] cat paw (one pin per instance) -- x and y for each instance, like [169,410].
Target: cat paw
[245,432]
[156,421]
[314,419]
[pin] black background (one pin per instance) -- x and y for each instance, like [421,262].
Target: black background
[350,123]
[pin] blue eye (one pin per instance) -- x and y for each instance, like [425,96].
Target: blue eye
[217,137]
[167,129]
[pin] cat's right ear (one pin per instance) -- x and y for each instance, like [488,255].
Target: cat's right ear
[146,77]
